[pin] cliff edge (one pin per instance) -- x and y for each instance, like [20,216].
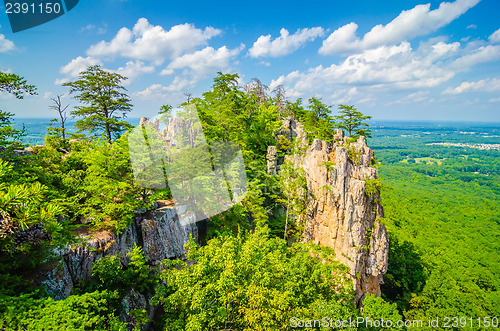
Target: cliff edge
[343,205]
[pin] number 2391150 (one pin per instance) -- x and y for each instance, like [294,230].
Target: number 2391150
[32,8]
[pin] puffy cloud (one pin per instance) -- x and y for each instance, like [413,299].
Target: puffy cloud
[495,37]
[133,70]
[409,24]
[345,95]
[47,95]
[391,68]
[285,44]
[204,62]
[170,92]
[479,55]
[6,45]
[152,92]
[73,69]
[396,65]
[199,65]
[441,49]
[153,43]
[484,85]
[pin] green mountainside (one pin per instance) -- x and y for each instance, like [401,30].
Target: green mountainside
[252,269]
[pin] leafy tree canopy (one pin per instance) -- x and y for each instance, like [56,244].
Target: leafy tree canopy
[105,102]
[352,121]
[253,282]
[16,85]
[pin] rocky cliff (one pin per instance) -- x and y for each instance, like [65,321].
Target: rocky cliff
[158,232]
[343,207]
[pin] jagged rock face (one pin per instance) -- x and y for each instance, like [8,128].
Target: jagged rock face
[135,300]
[272,160]
[161,236]
[340,214]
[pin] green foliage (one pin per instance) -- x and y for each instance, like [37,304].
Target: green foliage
[166,113]
[228,114]
[105,102]
[351,120]
[108,270]
[329,165]
[18,86]
[112,275]
[376,309]
[443,223]
[56,136]
[353,153]
[111,194]
[9,137]
[89,311]
[372,187]
[293,186]
[406,274]
[23,206]
[251,282]
[317,121]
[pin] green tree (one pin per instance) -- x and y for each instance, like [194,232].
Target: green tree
[112,275]
[253,282]
[165,113]
[105,102]
[16,85]
[351,120]
[89,311]
[293,184]
[376,309]
[111,194]
[12,83]
[24,210]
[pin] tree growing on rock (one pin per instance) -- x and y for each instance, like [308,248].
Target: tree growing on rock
[105,103]
[352,121]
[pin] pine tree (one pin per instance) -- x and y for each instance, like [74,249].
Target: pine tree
[16,85]
[105,102]
[351,120]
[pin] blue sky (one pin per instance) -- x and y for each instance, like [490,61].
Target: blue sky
[399,60]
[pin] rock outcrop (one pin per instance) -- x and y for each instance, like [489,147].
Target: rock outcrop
[340,212]
[272,160]
[158,232]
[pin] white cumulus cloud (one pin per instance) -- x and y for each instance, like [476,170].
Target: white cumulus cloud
[153,43]
[481,54]
[5,44]
[73,69]
[284,44]
[204,62]
[495,37]
[199,65]
[133,70]
[409,24]
[484,85]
